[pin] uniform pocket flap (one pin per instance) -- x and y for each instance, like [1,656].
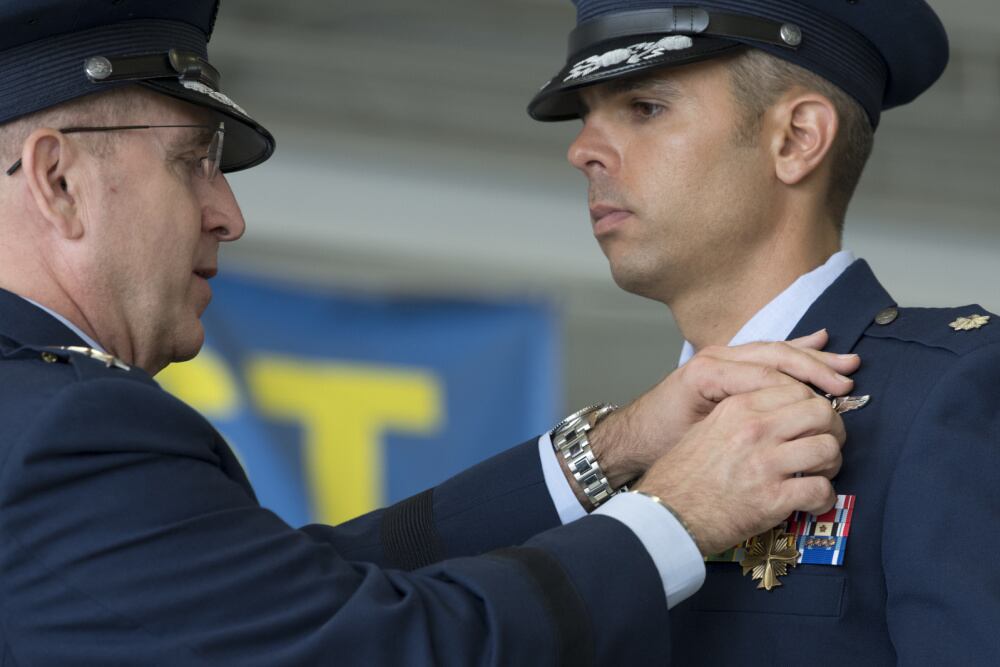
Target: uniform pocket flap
[805,591]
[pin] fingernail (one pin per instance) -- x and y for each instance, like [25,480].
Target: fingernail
[816,333]
[843,378]
[847,356]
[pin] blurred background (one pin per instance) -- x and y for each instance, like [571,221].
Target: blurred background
[407,170]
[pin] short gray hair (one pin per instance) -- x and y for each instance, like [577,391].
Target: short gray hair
[112,107]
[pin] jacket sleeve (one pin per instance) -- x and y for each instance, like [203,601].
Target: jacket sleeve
[123,541]
[498,503]
[940,538]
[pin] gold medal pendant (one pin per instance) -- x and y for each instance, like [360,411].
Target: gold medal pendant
[769,556]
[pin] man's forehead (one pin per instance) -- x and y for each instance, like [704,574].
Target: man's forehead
[166,110]
[666,82]
[661,81]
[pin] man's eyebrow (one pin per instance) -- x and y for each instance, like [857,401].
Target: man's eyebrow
[194,137]
[655,85]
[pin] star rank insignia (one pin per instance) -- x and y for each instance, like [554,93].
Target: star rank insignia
[971,322]
[768,557]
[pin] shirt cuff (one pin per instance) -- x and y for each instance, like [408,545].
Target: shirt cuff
[567,505]
[677,558]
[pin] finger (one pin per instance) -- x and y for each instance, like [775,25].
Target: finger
[814,455]
[719,379]
[815,341]
[772,399]
[814,495]
[807,366]
[842,363]
[805,418]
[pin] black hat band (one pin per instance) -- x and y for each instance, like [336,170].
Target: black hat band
[179,65]
[683,21]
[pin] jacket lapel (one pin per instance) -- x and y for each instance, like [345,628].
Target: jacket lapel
[846,309]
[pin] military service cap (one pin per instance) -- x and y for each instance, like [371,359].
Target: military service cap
[53,51]
[884,53]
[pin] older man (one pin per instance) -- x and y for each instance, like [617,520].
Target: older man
[722,141]
[130,535]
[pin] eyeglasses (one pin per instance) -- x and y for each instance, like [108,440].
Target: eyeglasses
[208,165]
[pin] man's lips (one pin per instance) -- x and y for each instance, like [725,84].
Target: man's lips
[207,273]
[607,216]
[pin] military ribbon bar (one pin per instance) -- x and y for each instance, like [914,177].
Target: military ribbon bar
[820,540]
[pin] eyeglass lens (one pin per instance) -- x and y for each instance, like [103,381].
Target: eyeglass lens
[214,158]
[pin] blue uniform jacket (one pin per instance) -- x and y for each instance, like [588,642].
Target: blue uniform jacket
[129,535]
[920,584]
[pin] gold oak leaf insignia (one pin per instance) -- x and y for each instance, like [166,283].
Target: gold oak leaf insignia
[768,557]
[969,323]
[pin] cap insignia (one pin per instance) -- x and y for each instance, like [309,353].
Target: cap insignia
[199,87]
[971,322]
[632,55]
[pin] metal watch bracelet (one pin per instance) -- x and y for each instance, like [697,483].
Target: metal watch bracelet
[570,439]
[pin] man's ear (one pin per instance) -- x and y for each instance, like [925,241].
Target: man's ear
[804,127]
[46,159]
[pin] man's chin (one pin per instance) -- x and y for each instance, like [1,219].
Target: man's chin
[634,281]
[189,344]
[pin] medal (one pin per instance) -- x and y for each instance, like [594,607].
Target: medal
[768,556]
[802,538]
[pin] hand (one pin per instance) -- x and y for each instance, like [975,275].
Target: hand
[734,474]
[628,441]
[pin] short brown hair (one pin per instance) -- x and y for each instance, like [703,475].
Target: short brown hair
[759,79]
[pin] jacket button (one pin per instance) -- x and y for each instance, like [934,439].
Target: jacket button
[887,316]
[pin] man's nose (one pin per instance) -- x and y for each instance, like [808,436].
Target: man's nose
[221,214]
[592,149]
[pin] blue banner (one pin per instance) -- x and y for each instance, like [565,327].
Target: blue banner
[337,404]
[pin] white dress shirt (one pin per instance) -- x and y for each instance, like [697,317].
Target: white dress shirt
[677,559]
[776,320]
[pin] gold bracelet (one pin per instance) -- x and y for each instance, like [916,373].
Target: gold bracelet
[675,514]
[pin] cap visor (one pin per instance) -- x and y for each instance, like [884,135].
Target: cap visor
[247,142]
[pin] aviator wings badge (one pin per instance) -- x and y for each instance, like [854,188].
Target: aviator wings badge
[843,404]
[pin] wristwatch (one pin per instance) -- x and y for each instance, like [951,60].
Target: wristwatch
[570,440]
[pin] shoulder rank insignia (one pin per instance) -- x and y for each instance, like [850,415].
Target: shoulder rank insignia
[97,355]
[971,322]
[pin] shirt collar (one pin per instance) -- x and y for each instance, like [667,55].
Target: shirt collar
[69,325]
[776,320]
